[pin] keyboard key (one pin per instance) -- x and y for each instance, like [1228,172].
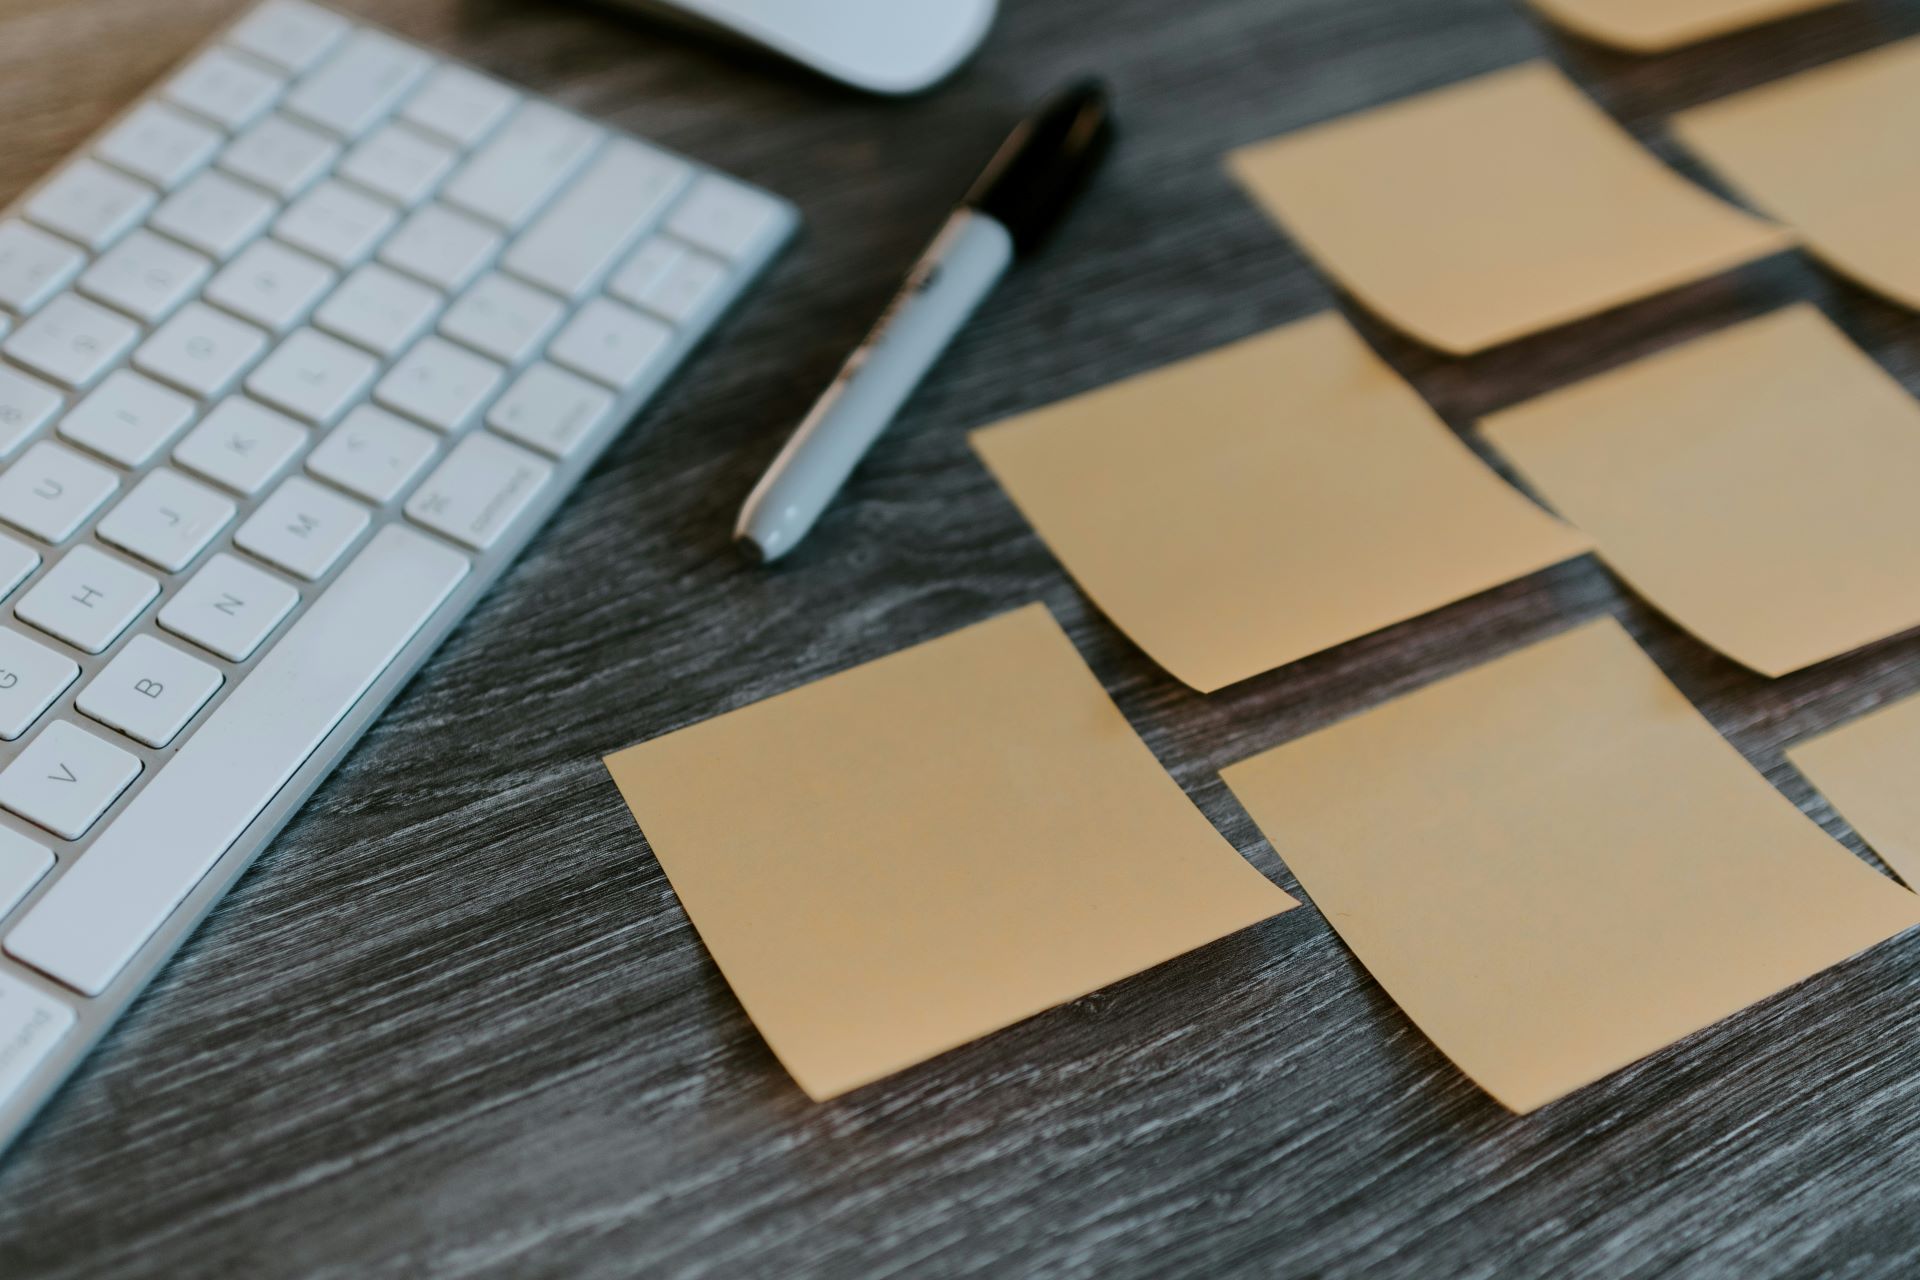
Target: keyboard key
[149,691]
[302,528]
[460,105]
[378,309]
[228,607]
[17,560]
[398,162]
[72,341]
[90,204]
[200,350]
[26,405]
[87,599]
[474,495]
[127,418]
[682,292]
[167,520]
[502,318]
[226,89]
[31,677]
[22,864]
[550,409]
[313,377]
[439,384]
[160,144]
[31,1024]
[51,491]
[644,265]
[241,445]
[271,285]
[87,927]
[513,174]
[372,454]
[725,217]
[580,236]
[145,276]
[359,84]
[290,33]
[33,266]
[335,223]
[441,246]
[610,343]
[213,213]
[65,779]
[282,155]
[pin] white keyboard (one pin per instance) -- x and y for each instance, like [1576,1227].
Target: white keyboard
[294,358]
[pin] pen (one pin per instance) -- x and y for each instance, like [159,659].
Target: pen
[1028,185]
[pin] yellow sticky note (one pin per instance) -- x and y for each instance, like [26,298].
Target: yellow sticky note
[909,855]
[1556,867]
[1494,208]
[1869,770]
[1238,511]
[1654,26]
[1832,153]
[1756,485]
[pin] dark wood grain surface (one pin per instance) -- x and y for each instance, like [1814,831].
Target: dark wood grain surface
[455,1024]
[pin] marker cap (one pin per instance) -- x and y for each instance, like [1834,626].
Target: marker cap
[1045,162]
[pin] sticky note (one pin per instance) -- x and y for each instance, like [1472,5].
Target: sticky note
[1238,511]
[1831,152]
[1654,26]
[922,850]
[1756,485]
[1494,208]
[1556,867]
[1869,770]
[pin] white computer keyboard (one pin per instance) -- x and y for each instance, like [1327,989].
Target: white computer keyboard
[294,357]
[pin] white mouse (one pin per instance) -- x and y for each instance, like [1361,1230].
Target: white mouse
[882,46]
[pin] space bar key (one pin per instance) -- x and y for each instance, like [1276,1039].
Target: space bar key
[121,890]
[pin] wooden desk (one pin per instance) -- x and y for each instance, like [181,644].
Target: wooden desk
[455,1024]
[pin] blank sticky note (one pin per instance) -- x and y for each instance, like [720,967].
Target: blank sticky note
[1265,501]
[1869,770]
[1654,26]
[1756,485]
[1556,867]
[1493,209]
[914,853]
[1831,152]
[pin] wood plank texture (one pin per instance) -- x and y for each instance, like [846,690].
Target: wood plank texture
[455,1025]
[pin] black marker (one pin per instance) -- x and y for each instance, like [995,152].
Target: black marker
[1030,183]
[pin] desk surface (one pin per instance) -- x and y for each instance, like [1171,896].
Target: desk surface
[454,1023]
